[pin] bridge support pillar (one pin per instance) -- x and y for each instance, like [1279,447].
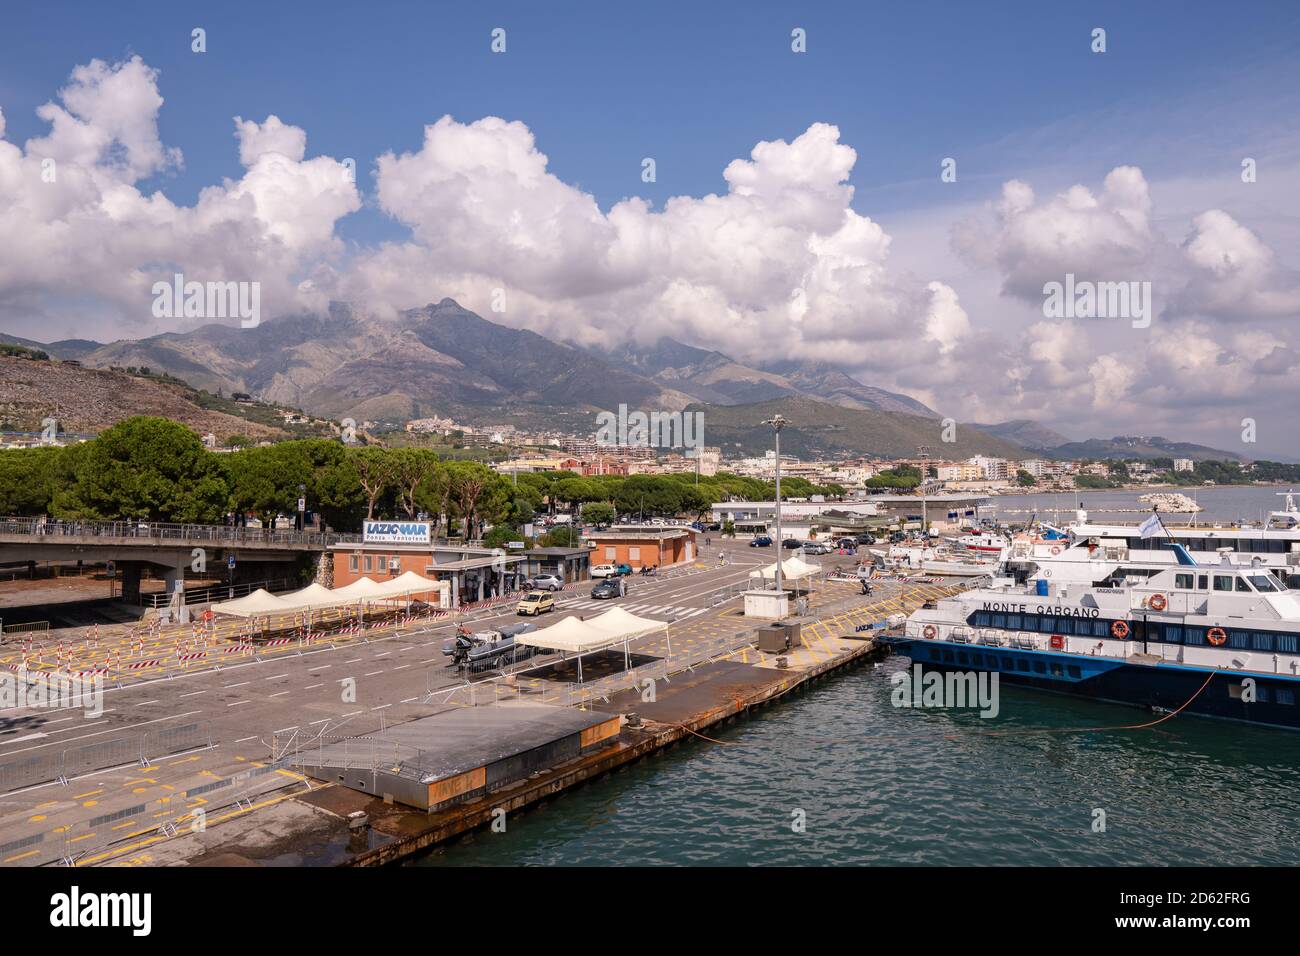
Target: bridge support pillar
[130,571]
[174,581]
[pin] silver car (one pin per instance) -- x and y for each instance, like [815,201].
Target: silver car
[545,582]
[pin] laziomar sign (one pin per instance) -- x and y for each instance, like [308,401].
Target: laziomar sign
[397,532]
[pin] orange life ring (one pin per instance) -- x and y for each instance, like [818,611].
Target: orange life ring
[1119,629]
[1217,636]
[929,632]
[1157,602]
[1056,549]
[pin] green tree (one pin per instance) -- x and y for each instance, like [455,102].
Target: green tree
[1025,479]
[148,468]
[598,512]
[29,478]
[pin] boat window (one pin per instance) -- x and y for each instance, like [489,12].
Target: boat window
[1100,628]
[1073,670]
[1286,643]
[1031,622]
[1285,695]
[1013,622]
[1264,583]
[1239,639]
[1202,582]
[1262,642]
[1196,635]
[1242,585]
[1039,667]
[1223,582]
[999,620]
[1183,582]
[1174,633]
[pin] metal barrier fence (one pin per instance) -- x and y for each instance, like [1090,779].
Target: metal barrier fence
[217,592]
[28,628]
[68,762]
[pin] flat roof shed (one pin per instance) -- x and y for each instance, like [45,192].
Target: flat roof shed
[461,754]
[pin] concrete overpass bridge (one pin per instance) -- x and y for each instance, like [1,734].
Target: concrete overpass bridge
[173,548]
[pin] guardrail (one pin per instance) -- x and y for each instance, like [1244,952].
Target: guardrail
[159,531]
[216,592]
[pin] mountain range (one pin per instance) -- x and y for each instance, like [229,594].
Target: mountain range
[445,360]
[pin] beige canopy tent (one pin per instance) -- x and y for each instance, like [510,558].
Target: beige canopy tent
[792,569]
[258,603]
[314,596]
[614,627]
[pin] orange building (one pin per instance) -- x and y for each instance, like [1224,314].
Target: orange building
[644,546]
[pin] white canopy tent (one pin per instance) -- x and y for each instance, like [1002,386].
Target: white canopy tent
[314,596]
[792,569]
[258,603]
[615,626]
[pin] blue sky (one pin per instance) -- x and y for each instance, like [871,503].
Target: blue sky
[691,84]
[1124,165]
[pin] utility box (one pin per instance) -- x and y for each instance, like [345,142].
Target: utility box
[773,638]
[794,631]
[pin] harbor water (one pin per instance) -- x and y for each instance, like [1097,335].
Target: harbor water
[879,784]
[1222,504]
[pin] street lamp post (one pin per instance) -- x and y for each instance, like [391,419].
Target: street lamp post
[302,507]
[777,423]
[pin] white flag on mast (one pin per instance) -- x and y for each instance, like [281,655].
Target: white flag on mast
[1151,527]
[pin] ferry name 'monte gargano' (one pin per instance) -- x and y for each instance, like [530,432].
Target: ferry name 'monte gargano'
[1225,637]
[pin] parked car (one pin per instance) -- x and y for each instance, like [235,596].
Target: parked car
[865,538]
[847,544]
[622,569]
[791,543]
[817,547]
[607,588]
[604,571]
[544,582]
[761,541]
[535,603]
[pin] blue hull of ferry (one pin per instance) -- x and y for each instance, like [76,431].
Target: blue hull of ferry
[1162,687]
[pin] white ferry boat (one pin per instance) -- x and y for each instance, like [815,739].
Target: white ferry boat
[1096,553]
[1222,640]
